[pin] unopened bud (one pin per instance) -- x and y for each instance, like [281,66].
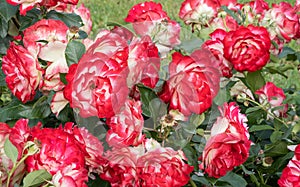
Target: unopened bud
[267,161]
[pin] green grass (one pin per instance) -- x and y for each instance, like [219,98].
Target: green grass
[106,11]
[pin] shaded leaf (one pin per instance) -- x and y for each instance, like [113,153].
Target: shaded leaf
[4,44]
[36,178]
[260,128]
[2,78]
[276,149]
[234,180]
[3,28]
[201,180]
[255,80]
[74,52]
[15,110]
[70,19]
[41,108]
[11,151]
[191,156]
[147,95]
[32,16]
[7,11]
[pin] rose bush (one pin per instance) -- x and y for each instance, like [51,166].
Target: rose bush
[153,102]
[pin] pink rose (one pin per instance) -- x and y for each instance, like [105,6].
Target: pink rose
[68,88]
[25,5]
[229,143]
[143,62]
[282,20]
[125,128]
[290,174]
[193,82]
[198,11]
[54,32]
[18,136]
[149,18]
[148,164]
[271,94]
[99,85]
[120,169]
[107,42]
[91,146]
[60,154]
[22,70]
[164,167]
[147,11]
[247,48]
[216,46]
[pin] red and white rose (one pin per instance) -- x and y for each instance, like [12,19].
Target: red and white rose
[247,48]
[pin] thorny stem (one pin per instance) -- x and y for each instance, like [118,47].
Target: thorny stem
[266,110]
[16,165]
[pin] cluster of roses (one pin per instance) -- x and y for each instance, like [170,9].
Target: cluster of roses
[243,42]
[107,79]
[27,5]
[71,155]
[36,59]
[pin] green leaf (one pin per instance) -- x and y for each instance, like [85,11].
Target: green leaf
[278,148]
[201,180]
[276,136]
[286,51]
[70,19]
[4,44]
[260,128]
[41,108]
[3,28]
[74,52]
[36,178]
[157,109]
[190,45]
[255,80]
[15,110]
[191,156]
[232,14]
[147,95]
[31,18]
[7,11]
[82,34]
[222,97]
[2,78]
[11,151]
[234,180]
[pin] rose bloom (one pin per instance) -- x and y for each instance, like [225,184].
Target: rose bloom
[18,136]
[60,154]
[274,96]
[201,11]
[282,20]
[148,164]
[26,5]
[290,174]
[164,167]
[229,143]
[215,45]
[120,169]
[193,82]
[149,18]
[224,21]
[91,147]
[143,62]
[22,70]
[48,40]
[254,10]
[99,85]
[247,48]
[125,128]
